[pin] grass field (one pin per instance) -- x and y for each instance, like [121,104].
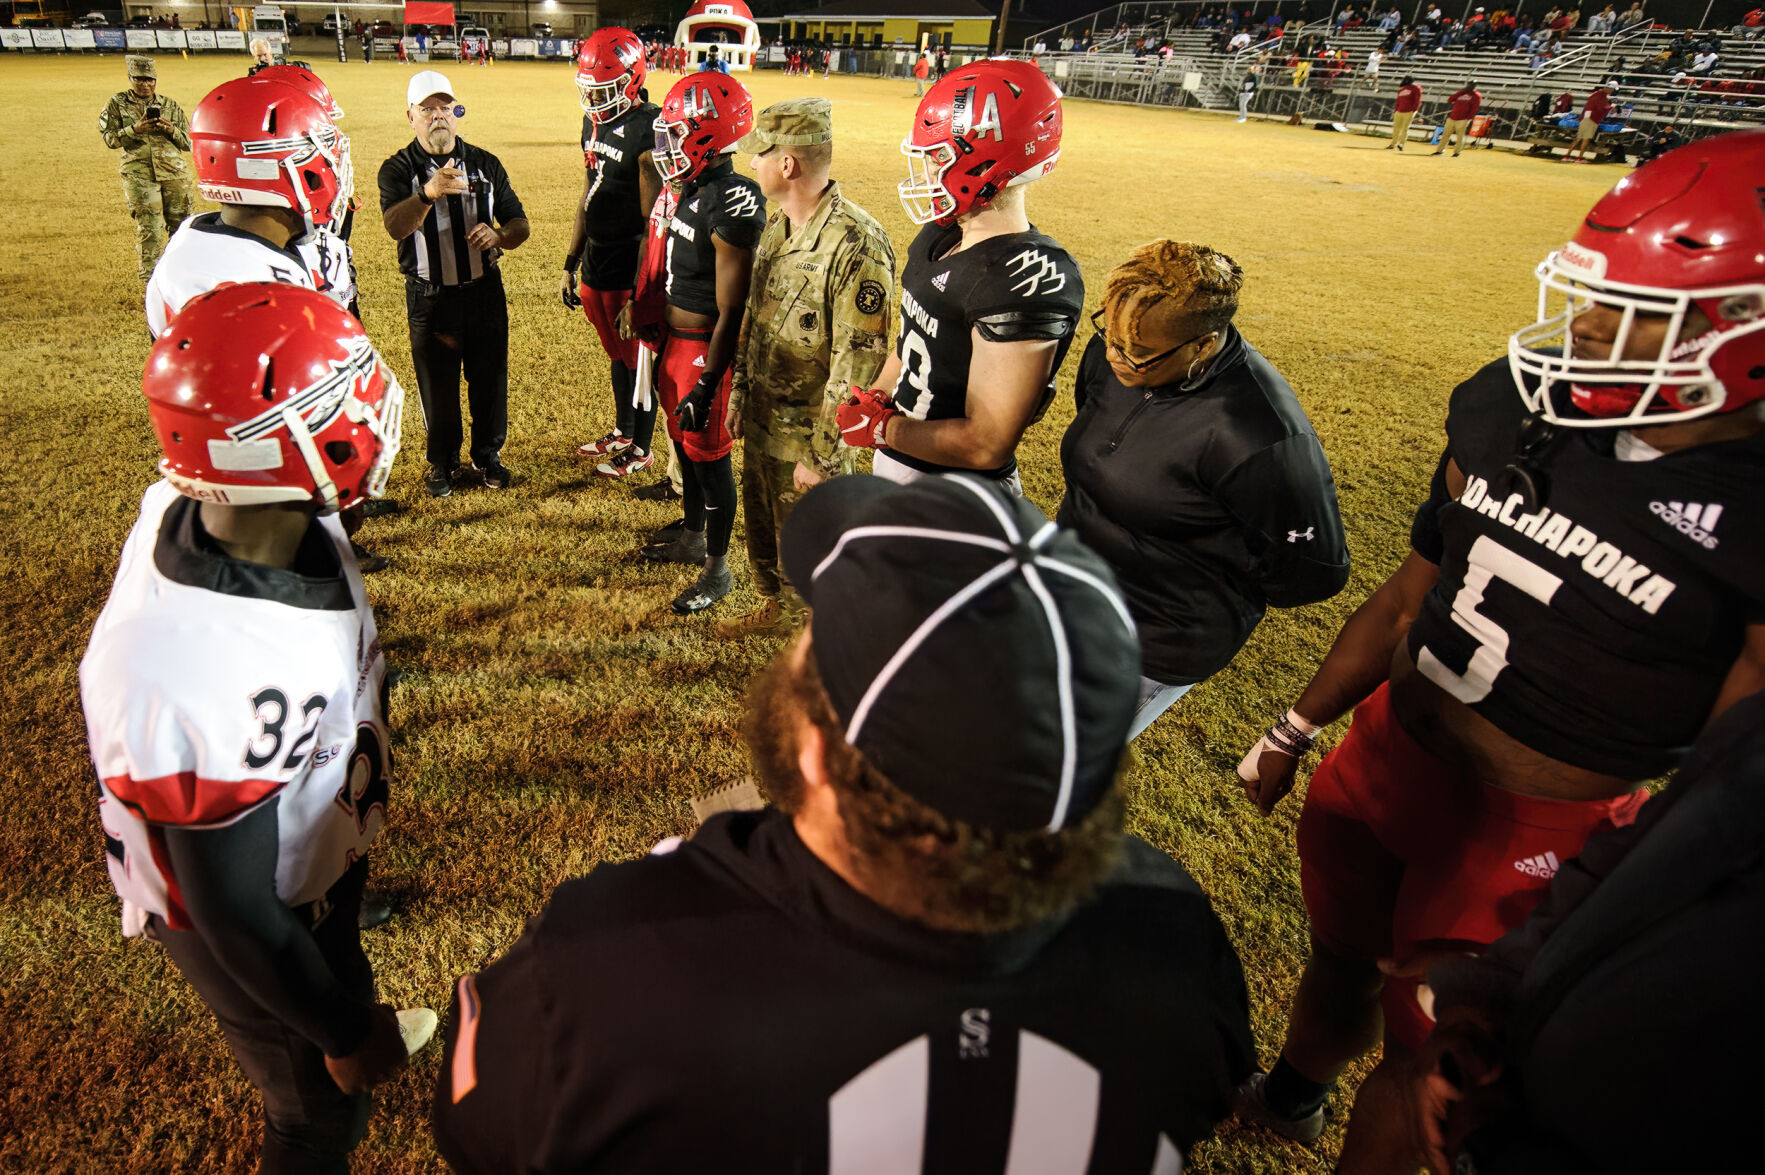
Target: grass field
[553,712]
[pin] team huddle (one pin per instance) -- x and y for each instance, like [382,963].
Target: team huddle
[924,954]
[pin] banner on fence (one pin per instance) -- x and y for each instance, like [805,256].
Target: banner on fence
[109,38]
[140,39]
[230,39]
[523,47]
[201,39]
[78,39]
[171,38]
[46,38]
[15,38]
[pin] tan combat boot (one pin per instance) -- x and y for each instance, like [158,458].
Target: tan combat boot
[766,620]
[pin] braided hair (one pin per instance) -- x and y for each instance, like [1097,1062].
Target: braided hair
[1174,285]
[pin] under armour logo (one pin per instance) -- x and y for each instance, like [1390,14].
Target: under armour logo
[1297,536]
[741,202]
[1039,274]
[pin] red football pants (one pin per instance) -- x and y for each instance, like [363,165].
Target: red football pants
[678,368]
[602,308]
[1399,850]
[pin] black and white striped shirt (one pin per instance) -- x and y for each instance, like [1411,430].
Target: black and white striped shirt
[437,252]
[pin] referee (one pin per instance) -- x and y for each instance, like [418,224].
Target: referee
[452,211]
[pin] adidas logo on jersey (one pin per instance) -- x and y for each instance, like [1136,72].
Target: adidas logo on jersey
[619,131]
[1695,520]
[1544,865]
[698,361]
[942,280]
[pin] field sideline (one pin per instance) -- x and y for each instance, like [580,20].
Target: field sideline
[553,712]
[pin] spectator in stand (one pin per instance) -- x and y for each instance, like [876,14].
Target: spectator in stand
[1476,30]
[1239,41]
[1633,16]
[1409,100]
[1375,58]
[1464,106]
[1390,22]
[1705,62]
[1594,113]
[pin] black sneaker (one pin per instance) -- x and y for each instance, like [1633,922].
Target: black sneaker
[496,475]
[709,588]
[368,562]
[438,481]
[380,507]
[688,547]
[661,491]
[375,911]
[668,533]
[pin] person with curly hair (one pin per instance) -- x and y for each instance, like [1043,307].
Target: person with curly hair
[1193,471]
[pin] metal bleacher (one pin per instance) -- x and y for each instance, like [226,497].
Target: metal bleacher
[1121,65]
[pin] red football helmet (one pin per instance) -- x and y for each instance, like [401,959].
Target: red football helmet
[268,143]
[983,128]
[705,115]
[265,392]
[610,70]
[1680,245]
[307,82]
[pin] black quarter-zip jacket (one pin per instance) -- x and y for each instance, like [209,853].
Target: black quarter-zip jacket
[1210,503]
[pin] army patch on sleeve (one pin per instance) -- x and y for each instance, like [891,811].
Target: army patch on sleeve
[870,297]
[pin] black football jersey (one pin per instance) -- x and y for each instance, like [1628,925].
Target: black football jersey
[943,296]
[613,153]
[721,203]
[1595,626]
[734,1006]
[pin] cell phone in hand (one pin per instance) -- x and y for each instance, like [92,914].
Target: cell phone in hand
[153,113]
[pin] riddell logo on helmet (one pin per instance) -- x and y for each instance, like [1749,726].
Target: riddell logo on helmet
[1583,261]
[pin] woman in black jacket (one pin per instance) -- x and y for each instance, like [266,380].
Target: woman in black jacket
[1193,471]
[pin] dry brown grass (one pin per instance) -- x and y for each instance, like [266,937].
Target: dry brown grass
[554,713]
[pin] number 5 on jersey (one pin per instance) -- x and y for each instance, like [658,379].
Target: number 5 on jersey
[1488,560]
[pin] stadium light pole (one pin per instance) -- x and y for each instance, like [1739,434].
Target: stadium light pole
[999,37]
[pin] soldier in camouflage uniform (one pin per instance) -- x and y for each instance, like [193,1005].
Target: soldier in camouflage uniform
[817,322]
[156,176]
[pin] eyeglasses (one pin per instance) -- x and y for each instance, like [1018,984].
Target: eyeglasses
[1143,365]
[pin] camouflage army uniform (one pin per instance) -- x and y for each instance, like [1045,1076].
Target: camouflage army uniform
[155,172]
[817,322]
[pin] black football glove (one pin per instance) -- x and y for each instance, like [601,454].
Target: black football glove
[694,413]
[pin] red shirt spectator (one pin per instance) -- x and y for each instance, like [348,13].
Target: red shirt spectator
[1565,103]
[1465,104]
[1597,105]
[1409,98]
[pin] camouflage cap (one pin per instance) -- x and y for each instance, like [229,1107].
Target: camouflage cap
[141,66]
[798,122]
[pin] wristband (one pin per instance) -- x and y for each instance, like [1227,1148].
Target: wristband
[423,195]
[1305,727]
[572,262]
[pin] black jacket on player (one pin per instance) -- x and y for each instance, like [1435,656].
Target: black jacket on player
[1643,959]
[733,1005]
[1209,502]
[1597,624]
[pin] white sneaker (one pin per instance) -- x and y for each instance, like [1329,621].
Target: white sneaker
[416,1025]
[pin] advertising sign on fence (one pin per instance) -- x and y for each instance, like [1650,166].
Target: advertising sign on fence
[15,38]
[230,39]
[141,39]
[499,48]
[78,39]
[170,38]
[201,39]
[109,38]
[554,48]
[523,47]
[46,38]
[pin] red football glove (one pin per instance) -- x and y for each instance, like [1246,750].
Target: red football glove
[863,418]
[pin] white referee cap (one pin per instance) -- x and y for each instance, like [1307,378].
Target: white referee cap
[426,85]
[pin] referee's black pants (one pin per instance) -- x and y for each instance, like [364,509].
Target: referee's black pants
[310,1125]
[455,328]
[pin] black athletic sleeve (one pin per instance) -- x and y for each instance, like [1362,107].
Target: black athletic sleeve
[739,216]
[395,181]
[1425,536]
[228,880]
[492,1096]
[1286,494]
[1092,366]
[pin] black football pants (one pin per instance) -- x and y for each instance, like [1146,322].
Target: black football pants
[455,329]
[310,1125]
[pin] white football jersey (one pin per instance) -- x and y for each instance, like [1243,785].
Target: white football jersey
[328,260]
[205,253]
[211,685]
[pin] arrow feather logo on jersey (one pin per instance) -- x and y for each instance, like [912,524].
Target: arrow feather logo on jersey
[741,202]
[1038,273]
[318,403]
